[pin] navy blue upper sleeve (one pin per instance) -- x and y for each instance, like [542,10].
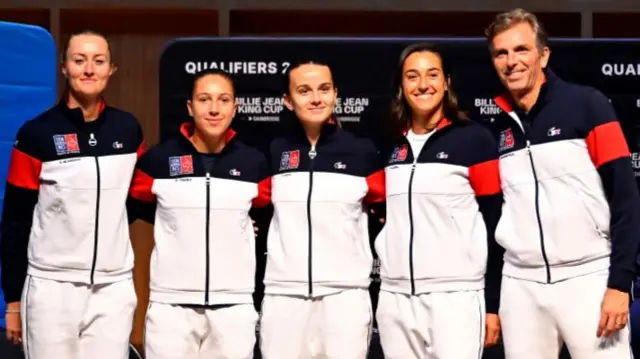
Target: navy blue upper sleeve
[484,176]
[20,199]
[610,154]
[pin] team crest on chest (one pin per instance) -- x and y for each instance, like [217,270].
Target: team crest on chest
[66,144]
[289,160]
[180,165]
[507,140]
[399,154]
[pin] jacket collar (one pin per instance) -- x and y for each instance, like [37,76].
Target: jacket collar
[444,122]
[76,116]
[328,129]
[186,131]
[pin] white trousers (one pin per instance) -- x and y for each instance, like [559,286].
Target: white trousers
[77,321]
[447,325]
[537,318]
[176,332]
[336,326]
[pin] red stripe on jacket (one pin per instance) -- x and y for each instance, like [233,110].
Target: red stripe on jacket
[606,143]
[264,193]
[24,170]
[141,187]
[376,184]
[485,178]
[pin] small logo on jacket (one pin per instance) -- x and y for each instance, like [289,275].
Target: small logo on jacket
[290,160]
[339,165]
[399,154]
[442,155]
[180,165]
[553,131]
[506,140]
[118,145]
[234,172]
[66,144]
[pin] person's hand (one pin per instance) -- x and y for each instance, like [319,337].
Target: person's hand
[492,330]
[13,323]
[373,211]
[614,312]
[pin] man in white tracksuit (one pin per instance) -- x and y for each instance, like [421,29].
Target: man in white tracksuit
[569,224]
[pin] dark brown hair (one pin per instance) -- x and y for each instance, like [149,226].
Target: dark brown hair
[400,111]
[211,72]
[65,47]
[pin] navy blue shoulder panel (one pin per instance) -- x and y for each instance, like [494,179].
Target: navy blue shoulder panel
[52,136]
[564,112]
[338,152]
[176,158]
[465,143]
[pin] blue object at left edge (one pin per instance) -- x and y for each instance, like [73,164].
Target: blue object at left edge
[27,88]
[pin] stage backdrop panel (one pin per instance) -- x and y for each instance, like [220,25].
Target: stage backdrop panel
[363,69]
[27,87]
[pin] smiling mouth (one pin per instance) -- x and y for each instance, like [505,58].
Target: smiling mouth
[514,73]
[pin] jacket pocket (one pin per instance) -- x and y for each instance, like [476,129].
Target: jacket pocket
[588,213]
[462,222]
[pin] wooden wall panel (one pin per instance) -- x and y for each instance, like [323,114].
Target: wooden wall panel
[378,23]
[616,25]
[29,16]
[138,38]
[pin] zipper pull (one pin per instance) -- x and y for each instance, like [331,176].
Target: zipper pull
[528,147]
[207,179]
[312,152]
[92,140]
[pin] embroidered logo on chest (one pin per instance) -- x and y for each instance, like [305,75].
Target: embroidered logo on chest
[399,154]
[66,144]
[506,140]
[289,160]
[180,165]
[442,155]
[553,131]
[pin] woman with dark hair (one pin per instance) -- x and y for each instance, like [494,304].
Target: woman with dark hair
[443,202]
[319,259]
[67,260]
[197,190]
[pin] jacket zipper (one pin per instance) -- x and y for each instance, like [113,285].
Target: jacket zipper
[206,284]
[312,156]
[410,203]
[413,283]
[93,142]
[537,205]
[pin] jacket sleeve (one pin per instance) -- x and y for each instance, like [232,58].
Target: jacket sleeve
[609,153]
[375,198]
[21,197]
[376,192]
[484,177]
[132,202]
[264,184]
[141,203]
